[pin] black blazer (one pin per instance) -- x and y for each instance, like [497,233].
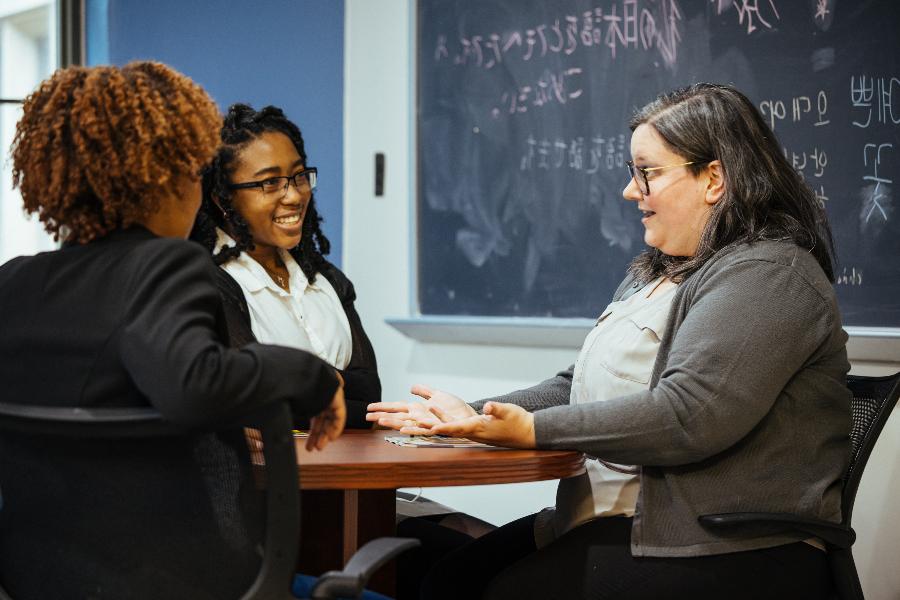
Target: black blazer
[361,382]
[132,320]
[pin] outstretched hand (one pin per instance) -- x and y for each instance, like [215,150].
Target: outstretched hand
[417,418]
[501,424]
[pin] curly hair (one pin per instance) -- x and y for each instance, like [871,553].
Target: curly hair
[96,147]
[241,126]
[765,198]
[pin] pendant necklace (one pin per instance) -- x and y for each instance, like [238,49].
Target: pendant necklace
[277,277]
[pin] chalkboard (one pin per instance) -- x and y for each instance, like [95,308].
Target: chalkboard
[522,137]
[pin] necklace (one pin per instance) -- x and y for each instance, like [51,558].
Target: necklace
[277,277]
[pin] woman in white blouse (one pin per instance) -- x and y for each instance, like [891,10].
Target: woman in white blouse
[259,221]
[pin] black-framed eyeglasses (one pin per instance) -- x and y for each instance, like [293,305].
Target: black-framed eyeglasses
[304,181]
[639,174]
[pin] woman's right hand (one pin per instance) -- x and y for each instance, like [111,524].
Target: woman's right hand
[417,418]
[326,426]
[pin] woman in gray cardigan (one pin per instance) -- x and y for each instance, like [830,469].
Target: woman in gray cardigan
[714,382]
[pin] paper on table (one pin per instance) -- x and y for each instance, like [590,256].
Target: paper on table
[436,441]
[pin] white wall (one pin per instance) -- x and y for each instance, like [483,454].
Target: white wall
[379,116]
[27,55]
[379,109]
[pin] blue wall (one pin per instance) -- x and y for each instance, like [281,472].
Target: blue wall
[289,53]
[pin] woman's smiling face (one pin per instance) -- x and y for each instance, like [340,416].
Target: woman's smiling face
[678,206]
[276,219]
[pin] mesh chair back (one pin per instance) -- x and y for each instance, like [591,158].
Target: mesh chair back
[116,503]
[873,401]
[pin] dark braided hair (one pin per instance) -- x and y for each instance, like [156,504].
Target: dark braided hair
[242,125]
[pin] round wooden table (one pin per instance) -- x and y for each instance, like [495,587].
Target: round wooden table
[348,490]
[363,460]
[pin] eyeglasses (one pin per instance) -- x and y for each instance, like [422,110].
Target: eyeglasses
[304,181]
[639,174]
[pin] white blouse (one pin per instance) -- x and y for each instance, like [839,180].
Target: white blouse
[616,360]
[309,317]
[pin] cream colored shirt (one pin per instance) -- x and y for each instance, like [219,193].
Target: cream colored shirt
[309,317]
[616,360]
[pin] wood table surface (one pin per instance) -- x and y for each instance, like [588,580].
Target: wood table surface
[363,460]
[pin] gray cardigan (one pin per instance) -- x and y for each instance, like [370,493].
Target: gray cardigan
[747,410]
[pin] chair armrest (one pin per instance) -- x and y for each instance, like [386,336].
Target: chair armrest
[122,422]
[86,422]
[834,534]
[350,582]
[282,503]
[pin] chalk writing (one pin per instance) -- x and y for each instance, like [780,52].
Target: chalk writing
[574,154]
[852,277]
[749,11]
[822,108]
[773,110]
[821,198]
[824,14]
[621,24]
[866,91]
[877,198]
[666,38]
[558,88]
[801,107]
[721,5]
[817,160]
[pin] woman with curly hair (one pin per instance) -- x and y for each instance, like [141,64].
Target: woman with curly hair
[259,221]
[126,314]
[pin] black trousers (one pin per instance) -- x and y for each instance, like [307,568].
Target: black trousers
[437,541]
[594,562]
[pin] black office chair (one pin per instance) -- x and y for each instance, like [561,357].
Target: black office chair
[39,430]
[873,400]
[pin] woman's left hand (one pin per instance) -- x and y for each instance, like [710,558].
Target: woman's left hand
[501,424]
